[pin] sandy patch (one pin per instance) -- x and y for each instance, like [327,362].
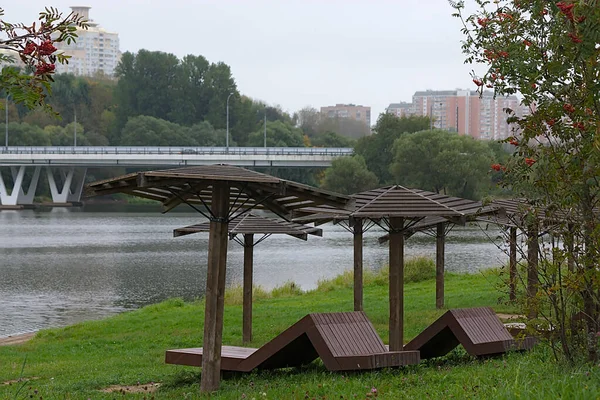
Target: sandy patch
[508,317]
[141,388]
[12,382]
[16,339]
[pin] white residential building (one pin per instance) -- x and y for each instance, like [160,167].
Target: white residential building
[95,52]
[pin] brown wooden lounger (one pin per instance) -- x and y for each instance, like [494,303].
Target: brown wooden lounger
[344,341]
[479,330]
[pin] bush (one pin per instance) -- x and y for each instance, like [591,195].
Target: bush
[234,295]
[286,290]
[416,269]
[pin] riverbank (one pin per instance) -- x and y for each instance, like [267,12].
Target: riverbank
[127,351]
[16,339]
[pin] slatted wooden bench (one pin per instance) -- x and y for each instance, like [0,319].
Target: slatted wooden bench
[344,341]
[479,330]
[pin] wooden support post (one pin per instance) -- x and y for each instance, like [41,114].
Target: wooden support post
[512,265]
[247,311]
[439,265]
[358,265]
[532,269]
[396,283]
[215,290]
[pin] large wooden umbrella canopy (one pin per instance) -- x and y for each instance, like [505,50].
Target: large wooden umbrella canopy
[247,225]
[219,192]
[397,210]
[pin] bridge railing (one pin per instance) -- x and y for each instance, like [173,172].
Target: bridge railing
[305,151]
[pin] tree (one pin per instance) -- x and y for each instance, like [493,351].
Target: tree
[442,162]
[149,131]
[147,85]
[185,92]
[347,127]
[331,139]
[70,95]
[192,97]
[34,46]
[308,119]
[63,136]
[377,148]
[203,134]
[548,52]
[349,175]
[23,134]
[279,134]
[220,84]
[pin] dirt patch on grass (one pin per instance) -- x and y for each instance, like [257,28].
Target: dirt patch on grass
[141,388]
[12,382]
[16,339]
[510,317]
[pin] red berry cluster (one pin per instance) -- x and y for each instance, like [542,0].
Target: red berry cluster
[574,37]
[46,48]
[566,8]
[44,68]
[29,48]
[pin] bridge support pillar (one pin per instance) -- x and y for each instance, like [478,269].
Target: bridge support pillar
[72,180]
[17,195]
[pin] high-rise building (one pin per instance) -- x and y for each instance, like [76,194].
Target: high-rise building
[95,52]
[352,111]
[402,109]
[465,111]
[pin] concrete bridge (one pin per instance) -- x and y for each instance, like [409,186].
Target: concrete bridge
[66,167]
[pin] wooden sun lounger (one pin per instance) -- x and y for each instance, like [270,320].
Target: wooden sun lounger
[479,330]
[344,341]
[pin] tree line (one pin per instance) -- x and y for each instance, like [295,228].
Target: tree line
[405,151]
[160,100]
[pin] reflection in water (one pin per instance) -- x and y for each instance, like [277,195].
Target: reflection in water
[62,266]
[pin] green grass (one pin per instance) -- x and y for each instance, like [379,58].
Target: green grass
[76,361]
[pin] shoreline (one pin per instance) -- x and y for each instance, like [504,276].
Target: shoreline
[16,339]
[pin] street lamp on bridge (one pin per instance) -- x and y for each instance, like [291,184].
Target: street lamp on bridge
[6,124]
[227,129]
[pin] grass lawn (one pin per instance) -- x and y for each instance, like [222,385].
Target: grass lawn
[76,362]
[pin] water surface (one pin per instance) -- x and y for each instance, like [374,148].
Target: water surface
[60,266]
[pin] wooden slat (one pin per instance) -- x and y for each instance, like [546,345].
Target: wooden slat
[250,223]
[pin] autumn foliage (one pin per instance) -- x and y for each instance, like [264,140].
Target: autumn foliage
[547,53]
[35,46]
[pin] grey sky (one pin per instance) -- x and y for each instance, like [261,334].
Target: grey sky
[296,52]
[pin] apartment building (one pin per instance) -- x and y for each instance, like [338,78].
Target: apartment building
[352,111]
[96,51]
[402,109]
[465,111]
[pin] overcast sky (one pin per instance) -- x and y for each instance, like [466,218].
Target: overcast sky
[295,53]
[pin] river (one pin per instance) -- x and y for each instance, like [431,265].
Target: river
[60,266]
